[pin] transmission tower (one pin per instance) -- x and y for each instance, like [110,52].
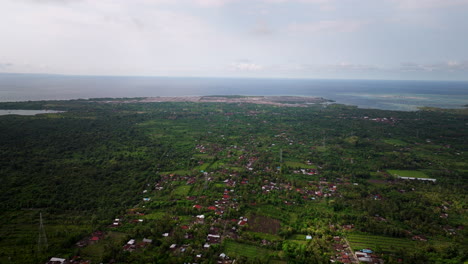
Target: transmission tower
[42,241]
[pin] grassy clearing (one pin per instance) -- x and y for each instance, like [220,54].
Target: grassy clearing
[300,165]
[389,244]
[203,167]
[293,218]
[271,211]
[395,142]
[233,248]
[95,252]
[203,156]
[299,237]
[219,185]
[154,216]
[266,236]
[321,148]
[19,232]
[182,190]
[408,173]
[218,164]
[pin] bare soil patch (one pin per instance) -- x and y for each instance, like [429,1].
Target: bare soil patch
[259,223]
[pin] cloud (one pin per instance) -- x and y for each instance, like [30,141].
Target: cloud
[343,26]
[219,3]
[246,66]
[299,1]
[262,28]
[6,65]
[449,66]
[418,4]
[213,3]
[339,67]
[52,1]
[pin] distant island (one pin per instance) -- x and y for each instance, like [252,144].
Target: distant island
[296,101]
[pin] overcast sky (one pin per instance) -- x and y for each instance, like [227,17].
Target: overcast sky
[359,39]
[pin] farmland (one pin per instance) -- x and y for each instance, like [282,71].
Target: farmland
[380,243]
[408,173]
[201,182]
[252,252]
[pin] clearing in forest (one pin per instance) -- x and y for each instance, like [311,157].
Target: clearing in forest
[408,173]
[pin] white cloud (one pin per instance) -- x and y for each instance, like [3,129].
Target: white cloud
[417,4]
[449,66]
[5,65]
[327,26]
[262,28]
[246,66]
[213,3]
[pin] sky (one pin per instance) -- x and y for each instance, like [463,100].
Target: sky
[325,39]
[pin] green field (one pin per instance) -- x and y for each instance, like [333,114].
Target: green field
[19,233]
[182,190]
[299,237]
[387,244]
[154,215]
[408,173]
[266,236]
[97,251]
[178,172]
[300,165]
[233,248]
[395,142]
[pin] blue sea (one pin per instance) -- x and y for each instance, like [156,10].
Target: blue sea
[379,94]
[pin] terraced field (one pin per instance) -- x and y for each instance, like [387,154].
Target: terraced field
[387,244]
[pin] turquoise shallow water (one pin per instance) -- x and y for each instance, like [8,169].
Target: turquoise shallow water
[389,95]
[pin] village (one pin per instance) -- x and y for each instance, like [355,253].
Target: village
[218,215]
[254,183]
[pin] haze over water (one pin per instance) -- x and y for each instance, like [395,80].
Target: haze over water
[389,95]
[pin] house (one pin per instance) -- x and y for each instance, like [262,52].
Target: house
[419,238]
[200,219]
[147,241]
[308,237]
[56,261]
[242,221]
[213,239]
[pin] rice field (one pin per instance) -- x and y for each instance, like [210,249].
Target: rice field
[233,248]
[408,173]
[182,190]
[387,244]
[295,164]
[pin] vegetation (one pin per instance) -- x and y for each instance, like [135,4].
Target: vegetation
[223,181]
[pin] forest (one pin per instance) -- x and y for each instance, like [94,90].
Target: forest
[128,181]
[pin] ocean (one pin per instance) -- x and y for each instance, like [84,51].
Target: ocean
[379,94]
